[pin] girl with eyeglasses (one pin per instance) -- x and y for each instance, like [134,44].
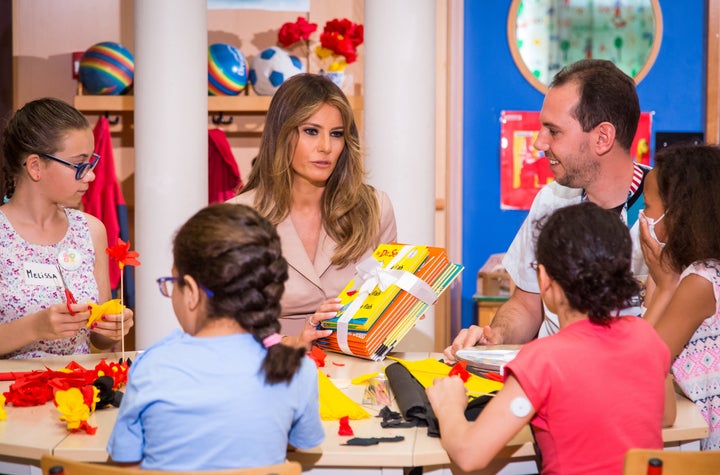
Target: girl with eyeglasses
[680,241]
[46,245]
[223,392]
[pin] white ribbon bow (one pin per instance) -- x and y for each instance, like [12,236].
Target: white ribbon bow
[371,274]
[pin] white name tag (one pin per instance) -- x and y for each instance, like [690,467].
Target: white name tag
[44,275]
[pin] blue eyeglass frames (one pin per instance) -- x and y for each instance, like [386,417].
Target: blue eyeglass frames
[81,169]
[166,291]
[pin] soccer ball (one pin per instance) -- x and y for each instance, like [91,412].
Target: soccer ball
[227,70]
[270,68]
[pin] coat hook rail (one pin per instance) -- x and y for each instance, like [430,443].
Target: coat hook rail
[112,121]
[220,119]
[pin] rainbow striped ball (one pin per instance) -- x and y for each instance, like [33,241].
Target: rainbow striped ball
[107,68]
[227,70]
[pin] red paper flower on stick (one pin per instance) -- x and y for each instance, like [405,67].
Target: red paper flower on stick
[340,40]
[290,33]
[123,255]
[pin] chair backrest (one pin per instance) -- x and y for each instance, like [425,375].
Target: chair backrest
[72,467]
[674,462]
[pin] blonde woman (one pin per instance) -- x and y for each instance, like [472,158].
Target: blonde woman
[308,180]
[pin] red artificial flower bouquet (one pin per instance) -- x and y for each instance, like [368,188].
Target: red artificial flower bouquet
[339,40]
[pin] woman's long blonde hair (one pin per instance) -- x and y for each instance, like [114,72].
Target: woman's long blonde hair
[350,209]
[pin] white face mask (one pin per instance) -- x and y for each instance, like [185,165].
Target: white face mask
[651,226]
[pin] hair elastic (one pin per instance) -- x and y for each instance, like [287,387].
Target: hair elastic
[271,340]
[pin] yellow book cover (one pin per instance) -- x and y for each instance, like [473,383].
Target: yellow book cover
[392,256]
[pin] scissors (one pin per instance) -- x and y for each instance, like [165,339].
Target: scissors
[68,295]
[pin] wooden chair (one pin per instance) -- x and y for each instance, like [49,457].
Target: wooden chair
[72,467]
[675,462]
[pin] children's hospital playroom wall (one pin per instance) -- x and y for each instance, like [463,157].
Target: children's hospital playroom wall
[673,89]
[43,64]
[46,33]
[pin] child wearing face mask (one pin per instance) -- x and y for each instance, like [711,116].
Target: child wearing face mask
[679,238]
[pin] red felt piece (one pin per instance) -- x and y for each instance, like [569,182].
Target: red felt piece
[345,428]
[318,355]
[460,369]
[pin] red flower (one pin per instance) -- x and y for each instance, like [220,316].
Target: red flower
[318,356]
[121,252]
[34,388]
[339,45]
[86,427]
[291,33]
[342,37]
[117,371]
[76,379]
[460,369]
[354,32]
[30,390]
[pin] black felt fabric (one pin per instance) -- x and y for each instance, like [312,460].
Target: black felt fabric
[411,398]
[475,407]
[414,404]
[365,441]
[388,414]
[107,394]
[393,419]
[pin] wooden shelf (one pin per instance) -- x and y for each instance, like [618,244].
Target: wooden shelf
[104,103]
[228,104]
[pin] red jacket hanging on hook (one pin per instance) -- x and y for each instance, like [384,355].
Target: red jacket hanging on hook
[224,179]
[104,199]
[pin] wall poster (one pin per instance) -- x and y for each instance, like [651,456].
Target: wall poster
[525,170]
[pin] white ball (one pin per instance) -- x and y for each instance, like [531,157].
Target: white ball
[270,68]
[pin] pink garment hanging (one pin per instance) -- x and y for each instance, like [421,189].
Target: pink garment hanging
[104,195]
[224,179]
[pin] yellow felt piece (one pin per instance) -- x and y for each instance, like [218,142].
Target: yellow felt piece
[111,307]
[364,378]
[3,414]
[334,404]
[72,407]
[429,369]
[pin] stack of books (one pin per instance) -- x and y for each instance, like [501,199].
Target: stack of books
[387,298]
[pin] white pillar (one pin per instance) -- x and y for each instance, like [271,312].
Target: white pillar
[399,125]
[170,145]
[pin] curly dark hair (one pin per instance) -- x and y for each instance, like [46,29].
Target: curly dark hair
[37,127]
[606,95]
[688,177]
[235,253]
[588,251]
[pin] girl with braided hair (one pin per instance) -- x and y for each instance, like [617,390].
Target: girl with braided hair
[222,392]
[593,390]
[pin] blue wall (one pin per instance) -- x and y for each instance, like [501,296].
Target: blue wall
[673,89]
